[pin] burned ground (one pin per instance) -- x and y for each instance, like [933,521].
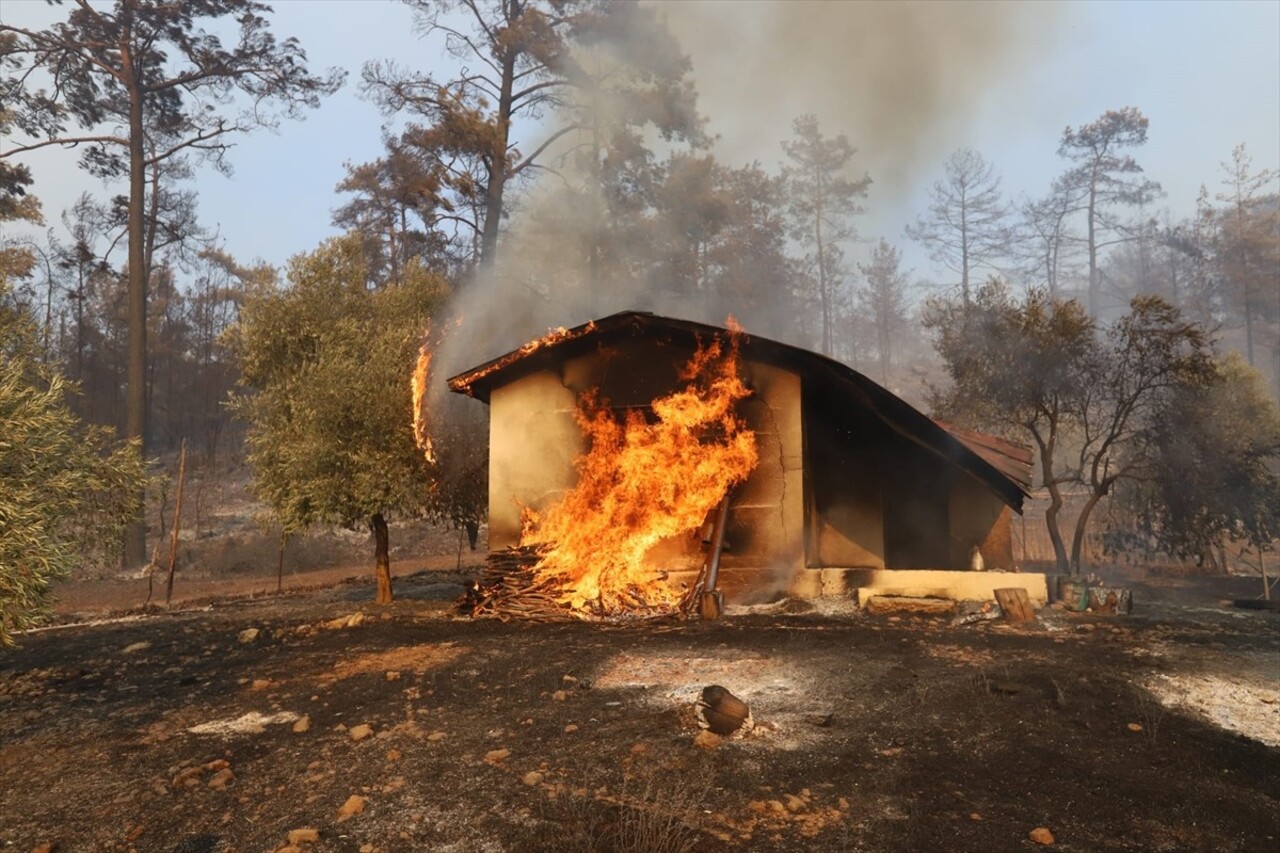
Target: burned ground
[875,733]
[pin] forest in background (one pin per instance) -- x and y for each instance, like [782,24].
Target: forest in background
[564,173]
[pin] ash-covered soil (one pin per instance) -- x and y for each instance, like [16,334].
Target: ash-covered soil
[407,728]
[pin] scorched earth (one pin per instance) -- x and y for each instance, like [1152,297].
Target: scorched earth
[319,722]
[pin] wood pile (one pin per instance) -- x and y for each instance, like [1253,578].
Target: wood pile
[509,589]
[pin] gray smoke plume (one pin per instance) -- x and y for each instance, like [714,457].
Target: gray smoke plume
[899,79]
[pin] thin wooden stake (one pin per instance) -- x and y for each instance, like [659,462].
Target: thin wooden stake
[1262,567]
[284,538]
[177,523]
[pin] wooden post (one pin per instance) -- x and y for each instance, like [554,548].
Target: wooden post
[284,538]
[1262,567]
[711,604]
[151,567]
[177,524]
[1016,604]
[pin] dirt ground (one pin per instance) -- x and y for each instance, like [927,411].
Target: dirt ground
[228,724]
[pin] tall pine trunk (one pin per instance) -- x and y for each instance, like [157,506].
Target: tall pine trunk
[493,197]
[135,543]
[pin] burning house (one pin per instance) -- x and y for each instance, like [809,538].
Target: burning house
[639,438]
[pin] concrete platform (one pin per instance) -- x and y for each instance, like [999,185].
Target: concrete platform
[862,584]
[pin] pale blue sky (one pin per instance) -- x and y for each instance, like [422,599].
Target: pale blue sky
[1206,74]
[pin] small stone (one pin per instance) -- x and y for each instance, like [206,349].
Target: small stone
[494,756]
[569,680]
[1134,727]
[353,806]
[560,696]
[974,816]
[217,764]
[533,777]
[355,620]
[392,675]
[303,724]
[360,732]
[247,636]
[367,848]
[303,836]
[435,736]
[45,847]
[260,684]
[843,803]
[135,647]
[188,778]
[707,740]
[393,755]
[1041,835]
[222,778]
[571,728]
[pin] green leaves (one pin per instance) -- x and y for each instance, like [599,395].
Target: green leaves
[326,364]
[66,491]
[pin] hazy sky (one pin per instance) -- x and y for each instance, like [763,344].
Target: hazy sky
[907,83]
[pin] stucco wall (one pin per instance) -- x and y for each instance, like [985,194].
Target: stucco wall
[979,518]
[843,493]
[765,536]
[533,441]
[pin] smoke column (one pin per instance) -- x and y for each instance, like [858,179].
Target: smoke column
[900,79]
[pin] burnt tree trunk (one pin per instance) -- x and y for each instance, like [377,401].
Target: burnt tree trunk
[382,557]
[1046,446]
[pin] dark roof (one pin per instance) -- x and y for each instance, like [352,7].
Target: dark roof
[1009,458]
[1003,466]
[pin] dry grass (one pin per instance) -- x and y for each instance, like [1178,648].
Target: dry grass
[655,810]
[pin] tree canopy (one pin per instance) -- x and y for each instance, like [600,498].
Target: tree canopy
[326,363]
[1217,452]
[68,488]
[1092,400]
[964,227]
[139,85]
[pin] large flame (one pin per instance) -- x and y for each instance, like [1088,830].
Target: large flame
[640,483]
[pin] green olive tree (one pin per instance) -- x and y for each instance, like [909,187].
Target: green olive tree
[326,362]
[66,490]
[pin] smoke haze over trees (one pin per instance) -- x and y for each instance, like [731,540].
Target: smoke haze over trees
[554,161]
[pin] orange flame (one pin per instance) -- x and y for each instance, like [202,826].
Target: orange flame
[420,373]
[464,382]
[640,483]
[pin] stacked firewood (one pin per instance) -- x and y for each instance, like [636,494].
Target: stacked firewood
[509,589]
